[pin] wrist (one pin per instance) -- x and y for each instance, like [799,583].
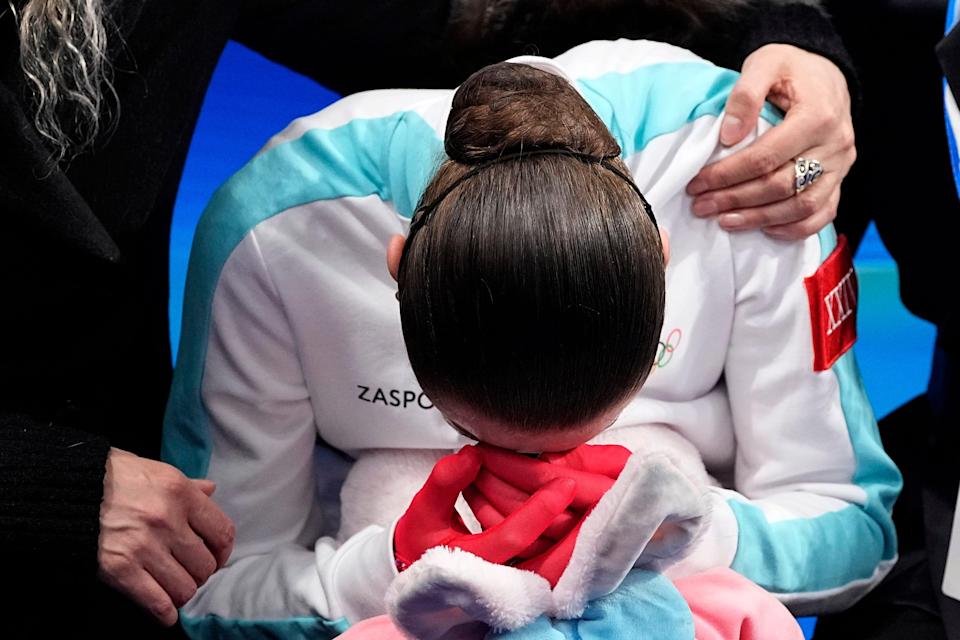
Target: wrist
[359,580]
[805,27]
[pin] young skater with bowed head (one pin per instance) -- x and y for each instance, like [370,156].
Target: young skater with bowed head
[532,297]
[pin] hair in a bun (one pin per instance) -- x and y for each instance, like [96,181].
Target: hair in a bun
[534,292]
[507,107]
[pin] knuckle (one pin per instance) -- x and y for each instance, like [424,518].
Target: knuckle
[790,232]
[184,594]
[808,226]
[202,564]
[712,177]
[444,473]
[229,534]
[804,229]
[807,203]
[759,218]
[118,567]
[830,216]
[762,161]
[727,201]
[161,610]
[209,566]
[159,517]
[825,120]
[776,185]
[746,96]
[141,544]
[793,234]
[175,484]
[822,120]
[786,188]
[848,138]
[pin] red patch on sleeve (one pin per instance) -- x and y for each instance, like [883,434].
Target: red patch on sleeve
[832,294]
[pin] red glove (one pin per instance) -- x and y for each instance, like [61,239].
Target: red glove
[497,493]
[605,459]
[491,500]
[593,467]
[432,521]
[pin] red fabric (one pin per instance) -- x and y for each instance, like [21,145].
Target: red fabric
[431,520]
[832,295]
[529,474]
[509,478]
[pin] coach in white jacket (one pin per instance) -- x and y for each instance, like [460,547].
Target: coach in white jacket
[292,336]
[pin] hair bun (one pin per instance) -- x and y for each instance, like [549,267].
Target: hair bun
[508,107]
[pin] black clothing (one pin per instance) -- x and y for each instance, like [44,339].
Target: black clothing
[921,437]
[903,180]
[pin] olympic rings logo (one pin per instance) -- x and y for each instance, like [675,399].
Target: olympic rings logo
[666,349]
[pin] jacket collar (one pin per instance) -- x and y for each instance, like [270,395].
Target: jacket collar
[35,197]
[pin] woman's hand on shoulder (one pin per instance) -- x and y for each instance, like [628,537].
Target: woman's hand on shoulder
[755,187]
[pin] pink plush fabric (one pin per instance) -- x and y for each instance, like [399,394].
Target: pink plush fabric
[725,606]
[379,628]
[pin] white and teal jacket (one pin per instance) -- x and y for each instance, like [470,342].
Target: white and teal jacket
[292,352]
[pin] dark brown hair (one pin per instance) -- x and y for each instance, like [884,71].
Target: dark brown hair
[534,293]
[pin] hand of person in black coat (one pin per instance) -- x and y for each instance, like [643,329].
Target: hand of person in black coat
[754,187]
[161,535]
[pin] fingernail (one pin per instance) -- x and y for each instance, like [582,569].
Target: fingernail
[729,129]
[698,185]
[731,220]
[704,207]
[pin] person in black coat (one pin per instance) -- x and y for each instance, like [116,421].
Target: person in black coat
[85,213]
[903,182]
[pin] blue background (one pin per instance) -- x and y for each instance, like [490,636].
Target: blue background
[250,99]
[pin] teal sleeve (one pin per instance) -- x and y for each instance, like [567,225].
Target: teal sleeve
[215,627]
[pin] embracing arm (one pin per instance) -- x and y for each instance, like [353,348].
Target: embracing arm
[47,460]
[728,37]
[788,50]
[443,41]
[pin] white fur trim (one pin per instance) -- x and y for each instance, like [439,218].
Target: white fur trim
[443,592]
[618,530]
[651,438]
[715,545]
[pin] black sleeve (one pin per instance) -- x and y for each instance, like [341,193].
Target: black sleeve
[355,46]
[51,486]
[51,474]
[733,37]
[436,43]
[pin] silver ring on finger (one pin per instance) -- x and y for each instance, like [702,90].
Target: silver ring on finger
[805,172]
